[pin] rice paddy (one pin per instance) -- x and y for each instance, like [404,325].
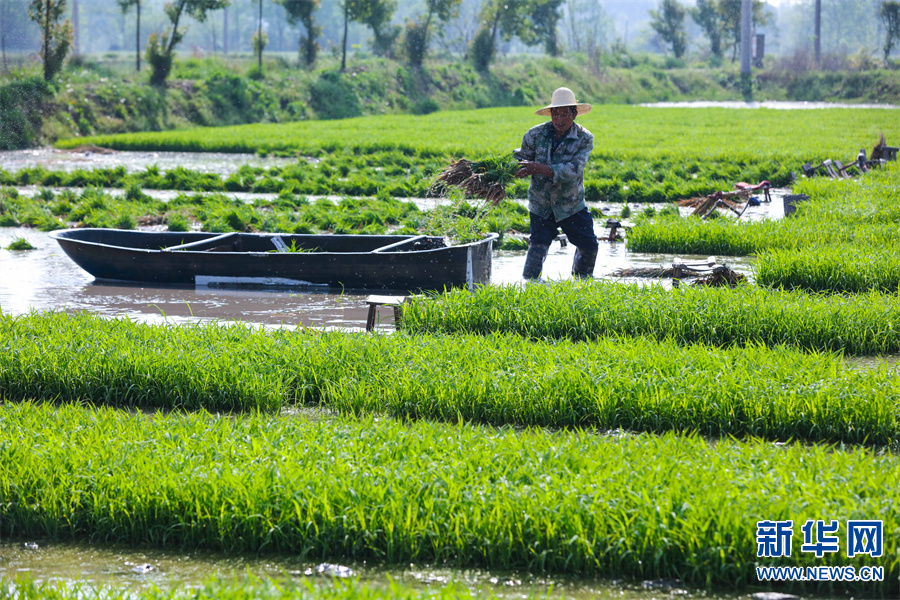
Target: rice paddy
[587,429]
[248,588]
[844,239]
[636,384]
[455,494]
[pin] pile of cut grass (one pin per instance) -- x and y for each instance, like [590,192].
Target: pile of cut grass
[377,490]
[637,384]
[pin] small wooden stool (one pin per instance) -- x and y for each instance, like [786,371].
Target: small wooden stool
[375,301]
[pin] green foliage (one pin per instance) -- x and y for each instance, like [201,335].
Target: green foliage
[249,587]
[482,50]
[20,243]
[890,16]
[415,43]
[863,324]
[500,379]
[159,60]
[21,107]
[55,36]
[844,240]
[333,98]
[668,23]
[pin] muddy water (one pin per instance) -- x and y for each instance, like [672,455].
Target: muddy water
[46,279]
[124,567]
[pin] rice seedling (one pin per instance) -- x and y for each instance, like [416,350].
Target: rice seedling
[484,179]
[250,587]
[638,384]
[444,494]
[861,324]
[20,243]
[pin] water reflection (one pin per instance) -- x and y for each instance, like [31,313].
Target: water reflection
[127,567]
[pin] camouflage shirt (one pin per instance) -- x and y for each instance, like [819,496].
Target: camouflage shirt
[562,195]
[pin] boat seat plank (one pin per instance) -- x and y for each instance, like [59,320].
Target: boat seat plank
[213,242]
[396,245]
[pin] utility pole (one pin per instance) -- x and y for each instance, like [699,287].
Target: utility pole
[746,79]
[818,33]
[225,31]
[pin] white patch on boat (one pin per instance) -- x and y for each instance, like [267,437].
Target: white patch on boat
[216,280]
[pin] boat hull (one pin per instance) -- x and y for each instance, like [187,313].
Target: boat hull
[340,261]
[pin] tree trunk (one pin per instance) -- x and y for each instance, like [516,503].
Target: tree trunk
[171,45]
[46,26]
[346,23]
[259,39]
[137,40]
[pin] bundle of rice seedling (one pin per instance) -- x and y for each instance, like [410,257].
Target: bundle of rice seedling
[485,179]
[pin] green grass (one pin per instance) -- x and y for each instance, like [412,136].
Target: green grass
[566,503]
[638,384]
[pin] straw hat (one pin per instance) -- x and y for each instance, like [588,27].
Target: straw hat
[563,97]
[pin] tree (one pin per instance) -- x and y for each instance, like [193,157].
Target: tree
[260,39]
[544,19]
[730,14]
[417,36]
[55,36]
[125,5]
[668,22]
[707,16]
[588,26]
[161,48]
[890,15]
[504,18]
[378,18]
[302,11]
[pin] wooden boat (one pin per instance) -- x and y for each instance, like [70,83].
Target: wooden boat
[394,262]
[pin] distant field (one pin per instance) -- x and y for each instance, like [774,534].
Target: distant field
[621,131]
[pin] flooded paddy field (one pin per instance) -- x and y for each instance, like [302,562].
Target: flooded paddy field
[47,279]
[126,567]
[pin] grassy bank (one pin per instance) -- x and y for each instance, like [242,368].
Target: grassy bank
[566,503]
[102,95]
[637,384]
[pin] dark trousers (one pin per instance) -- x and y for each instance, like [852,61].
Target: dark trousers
[579,229]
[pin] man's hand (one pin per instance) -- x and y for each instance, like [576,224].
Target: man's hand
[534,168]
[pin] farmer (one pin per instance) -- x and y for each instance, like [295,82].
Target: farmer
[554,155]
